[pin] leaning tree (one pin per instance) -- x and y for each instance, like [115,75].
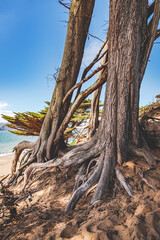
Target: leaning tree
[132,31]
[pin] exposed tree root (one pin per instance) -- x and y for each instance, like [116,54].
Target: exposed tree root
[145,153]
[84,187]
[92,169]
[13,179]
[146,181]
[75,157]
[18,150]
[4,178]
[123,182]
[115,190]
[35,167]
[34,180]
[25,157]
[80,176]
[91,189]
[97,163]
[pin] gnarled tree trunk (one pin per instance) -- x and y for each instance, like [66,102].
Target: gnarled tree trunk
[119,128]
[79,20]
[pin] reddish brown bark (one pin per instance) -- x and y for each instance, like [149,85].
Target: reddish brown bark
[119,123]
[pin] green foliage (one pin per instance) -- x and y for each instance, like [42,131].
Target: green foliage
[30,123]
[147,108]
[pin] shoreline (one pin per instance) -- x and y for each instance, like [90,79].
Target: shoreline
[6,154]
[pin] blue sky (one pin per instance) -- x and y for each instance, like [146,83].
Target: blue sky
[32,37]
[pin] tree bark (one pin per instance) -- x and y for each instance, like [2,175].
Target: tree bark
[79,20]
[119,123]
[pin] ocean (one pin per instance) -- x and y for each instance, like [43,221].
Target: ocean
[9,140]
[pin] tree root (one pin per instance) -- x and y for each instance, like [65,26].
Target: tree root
[18,150]
[145,153]
[25,157]
[80,176]
[88,174]
[97,163]
[115,190]
[2,179]
[34,180]
[84,187]
[12,179]
[35,167]
[146,181]
[123,182]
[91,189]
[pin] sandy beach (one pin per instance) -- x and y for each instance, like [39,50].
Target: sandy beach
[5,164]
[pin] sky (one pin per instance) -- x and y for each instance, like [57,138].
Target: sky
[32,37]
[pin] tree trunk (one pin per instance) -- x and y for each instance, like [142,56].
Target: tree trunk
[79,20]
[124,71]
[119,123]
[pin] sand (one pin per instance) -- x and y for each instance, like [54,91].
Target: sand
[40,210]
[5,165]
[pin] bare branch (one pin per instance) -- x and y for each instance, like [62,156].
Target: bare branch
[63,4]
[146,181]
[157,34]
[83,81]
[150,37]
[95,60]
[95,37]
[150,9]
[78,101]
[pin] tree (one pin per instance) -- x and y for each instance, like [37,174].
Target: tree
[80,14]
[130,40]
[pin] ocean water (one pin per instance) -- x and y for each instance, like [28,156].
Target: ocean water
[9,140]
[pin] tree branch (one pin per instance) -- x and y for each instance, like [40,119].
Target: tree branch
[63,4]
[95,37]
[157,34]
[150,37]
[95,60]
[150,9]
[78,101]
[83,81]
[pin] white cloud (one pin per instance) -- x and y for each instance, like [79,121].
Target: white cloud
[3,104]
[6,112]
[91,51]
[3,111]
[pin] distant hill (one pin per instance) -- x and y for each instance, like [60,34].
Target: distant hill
[3,127]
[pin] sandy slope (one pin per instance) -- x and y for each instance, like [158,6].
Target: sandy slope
[40,214]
